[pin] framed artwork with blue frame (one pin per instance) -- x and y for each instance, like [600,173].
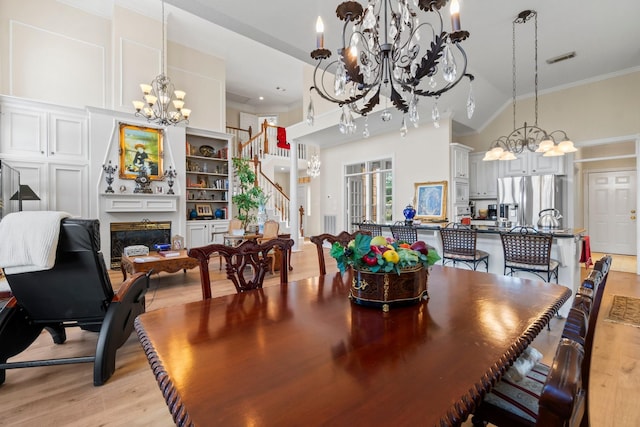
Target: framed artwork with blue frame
[431,200]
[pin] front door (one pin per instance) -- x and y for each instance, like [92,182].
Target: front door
[612,212]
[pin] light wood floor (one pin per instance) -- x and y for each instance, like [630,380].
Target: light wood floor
[65,395]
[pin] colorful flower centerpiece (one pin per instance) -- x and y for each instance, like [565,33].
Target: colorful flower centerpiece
[386,272]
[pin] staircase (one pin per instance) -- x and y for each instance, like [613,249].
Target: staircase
[257,148]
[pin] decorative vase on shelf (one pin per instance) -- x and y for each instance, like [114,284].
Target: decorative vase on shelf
[389,289]
[193,214]
[219,213]
[409,212]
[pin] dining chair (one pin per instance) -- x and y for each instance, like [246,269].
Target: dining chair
[459,245]
[556,395]
[270,231]
[246,264]
[373,228]
[404,233]
[343,238]
[527,249]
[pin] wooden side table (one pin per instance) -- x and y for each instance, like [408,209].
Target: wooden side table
[157,263]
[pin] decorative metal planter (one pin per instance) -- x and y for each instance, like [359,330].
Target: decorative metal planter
[389,289]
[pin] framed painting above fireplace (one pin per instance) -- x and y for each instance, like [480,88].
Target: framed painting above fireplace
[140,148]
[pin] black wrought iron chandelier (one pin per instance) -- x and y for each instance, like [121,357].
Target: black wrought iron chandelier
[527,137]
[162,104]
[388,51]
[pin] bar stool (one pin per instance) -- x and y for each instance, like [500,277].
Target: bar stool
[404,233]
[459,245]
[374,229]
[527,249]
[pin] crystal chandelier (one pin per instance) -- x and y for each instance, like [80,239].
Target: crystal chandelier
[387,50]
[532,138]
[313,166]
[162,104]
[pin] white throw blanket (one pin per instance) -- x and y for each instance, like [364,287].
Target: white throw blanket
[28,240]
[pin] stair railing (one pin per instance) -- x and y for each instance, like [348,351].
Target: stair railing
[265,142]
[278,202]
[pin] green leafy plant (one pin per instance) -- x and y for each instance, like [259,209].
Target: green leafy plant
[371,254]
[249,197]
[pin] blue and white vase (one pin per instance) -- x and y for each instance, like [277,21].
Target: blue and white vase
[409,212]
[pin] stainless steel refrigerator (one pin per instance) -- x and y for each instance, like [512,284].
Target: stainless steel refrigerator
[523,197]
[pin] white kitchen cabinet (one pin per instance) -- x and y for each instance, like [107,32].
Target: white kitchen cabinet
[459,161]
[32,130]
[461,192]
[206,232]
[483,177]
[532,163]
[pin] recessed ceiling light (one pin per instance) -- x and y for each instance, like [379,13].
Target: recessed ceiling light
[261,98]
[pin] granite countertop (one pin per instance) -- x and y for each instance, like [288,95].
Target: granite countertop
[492,229]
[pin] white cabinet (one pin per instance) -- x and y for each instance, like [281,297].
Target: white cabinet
[461,192]
[483,177]
[202,233]
[30,130]
[459,161]
[531,163]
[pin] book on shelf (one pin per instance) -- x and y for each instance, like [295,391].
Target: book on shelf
[169,254]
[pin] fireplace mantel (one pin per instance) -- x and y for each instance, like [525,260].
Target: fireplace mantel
[138,202]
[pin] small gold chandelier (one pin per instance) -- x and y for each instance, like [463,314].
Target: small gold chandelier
[162,104]
[532,138]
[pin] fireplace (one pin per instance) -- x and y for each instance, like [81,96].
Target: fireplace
[145,233]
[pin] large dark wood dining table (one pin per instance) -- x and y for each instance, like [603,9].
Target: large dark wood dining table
[302,354]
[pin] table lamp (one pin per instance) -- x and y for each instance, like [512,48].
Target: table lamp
[24,193]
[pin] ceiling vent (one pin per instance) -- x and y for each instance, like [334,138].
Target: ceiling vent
[562,57]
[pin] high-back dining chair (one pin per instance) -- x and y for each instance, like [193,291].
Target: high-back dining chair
[270,231]
[370,226]
[76,292]
[343,238]
[246,264]
[556,395]
[527,249]
[459,245]
[404,233]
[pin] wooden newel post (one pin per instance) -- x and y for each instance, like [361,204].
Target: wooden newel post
[255,169]
[301,210]
[266,138]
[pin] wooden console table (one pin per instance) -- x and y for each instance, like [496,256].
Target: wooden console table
[157,263]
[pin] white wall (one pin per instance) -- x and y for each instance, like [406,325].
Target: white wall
[421,156]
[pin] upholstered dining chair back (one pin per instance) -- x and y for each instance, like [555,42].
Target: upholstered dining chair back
[343,238]
[76,292]
[556,395]
[271,229]
[246,264]
[234,224]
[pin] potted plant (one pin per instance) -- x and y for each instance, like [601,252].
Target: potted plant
[249,196]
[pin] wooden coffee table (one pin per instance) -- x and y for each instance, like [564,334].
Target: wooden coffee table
[157,263]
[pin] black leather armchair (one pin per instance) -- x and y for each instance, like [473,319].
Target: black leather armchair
[76,292]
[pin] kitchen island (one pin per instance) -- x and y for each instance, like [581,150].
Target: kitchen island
[566,248]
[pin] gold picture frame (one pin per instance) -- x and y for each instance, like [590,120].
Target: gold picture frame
[140,147]
[431,200]
[203,209]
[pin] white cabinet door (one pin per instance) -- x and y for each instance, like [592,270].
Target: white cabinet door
[531,163]
[69,189]
[460,159]
[218,230]
[24,132]
[197,234]
[461,191]
[68,137]
[546,165]
[482,177]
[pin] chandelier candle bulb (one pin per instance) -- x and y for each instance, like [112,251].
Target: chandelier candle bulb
[455,15]
[320,33]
